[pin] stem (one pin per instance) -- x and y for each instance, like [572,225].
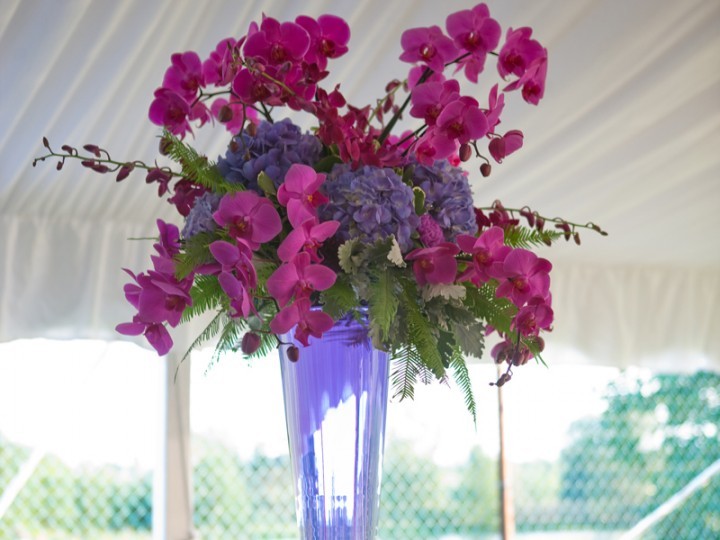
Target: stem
[589,225]
[117,164]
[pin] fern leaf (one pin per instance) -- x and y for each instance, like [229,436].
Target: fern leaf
[419,331]
[497,312]
[197,167]
[527,238]
[383,303]
[407,364]
[462,379]
[206,295]
[340,298]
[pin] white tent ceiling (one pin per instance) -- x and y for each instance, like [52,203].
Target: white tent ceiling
[628,136]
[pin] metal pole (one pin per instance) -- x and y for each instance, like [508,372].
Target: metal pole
[507,510]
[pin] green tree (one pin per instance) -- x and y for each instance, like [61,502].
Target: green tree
[655,436]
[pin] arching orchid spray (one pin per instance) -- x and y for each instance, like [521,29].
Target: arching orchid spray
[292,230]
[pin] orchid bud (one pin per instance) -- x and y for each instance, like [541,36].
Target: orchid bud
[485,169]
[576,237]
[225,114]
[250,343]
[164,146]
[93,148]
[124,171]
[465,152]
[46,143]
[293,353]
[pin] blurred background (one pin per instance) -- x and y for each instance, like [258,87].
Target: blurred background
[617,439]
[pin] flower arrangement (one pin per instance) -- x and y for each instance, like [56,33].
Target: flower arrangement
[296,230]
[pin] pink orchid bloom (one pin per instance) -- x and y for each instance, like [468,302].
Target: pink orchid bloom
[171,111]
[299,278]
[223,63]
[248,217]
[488,253]
[429,46]
[237,274]
[329,36]
[524,275]
[435,265]
[417,72]
[433,146]
[462,120]
[474,31]
[307,322]
[276,43]
[496,105]
[428,99]
[156,334]
[501,147]
[169,244]
[518,52]
[299,192]
[184,76]
[535,316]
[309,236]
[239,114]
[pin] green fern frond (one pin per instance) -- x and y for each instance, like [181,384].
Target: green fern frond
[196,251]
[340,298]
[497,312]
[462,379]
[229,340]
[197,167]
[383,302]
[419,331]
[524,237]
[206,295]
[406,365]
[210,331]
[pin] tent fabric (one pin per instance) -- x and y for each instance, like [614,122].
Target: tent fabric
[627,136]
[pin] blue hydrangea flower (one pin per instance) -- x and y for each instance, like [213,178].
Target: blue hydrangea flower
[448,198]
[200,217]
[273,149]
[370,203]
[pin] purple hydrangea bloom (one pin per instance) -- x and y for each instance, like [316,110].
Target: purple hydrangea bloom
[448,199]
[200,219]
[370,203]
[273,149]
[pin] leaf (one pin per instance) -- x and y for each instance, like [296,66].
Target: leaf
[524,237]
[497,312]
[206,335]
[406,365]
[196,167]
[419,331]
[196,252]
[340,298]
[383,303]
[470,338]
[462,379]
[206,295]
[266,183]
[326,164]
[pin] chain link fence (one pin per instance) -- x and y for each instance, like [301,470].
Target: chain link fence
[653,437]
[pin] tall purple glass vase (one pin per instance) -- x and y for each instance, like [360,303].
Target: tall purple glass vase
[335,403]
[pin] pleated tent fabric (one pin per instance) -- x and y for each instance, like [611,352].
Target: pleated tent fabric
[627,136]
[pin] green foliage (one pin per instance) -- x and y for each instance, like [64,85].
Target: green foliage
[522,237]
[382,305]
[196,251]
[206,295]
[406,366]
[497,312]
[462,379]
[197,167]
[340,298]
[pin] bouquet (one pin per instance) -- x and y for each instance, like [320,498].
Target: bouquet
[292,231]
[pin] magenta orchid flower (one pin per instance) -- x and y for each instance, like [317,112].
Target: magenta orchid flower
[501,147]
[474,31]
[329,36]
[184,76]
[428,99]
[237,274]
[428,46]
[309,236]
[525,275]
[496,105]
[435,265]
[462,120]
[433,146]
[171,111]
[223,63]
[156,334]
[518,52]
[307,322]
[488,253]
[276,43]
[299,192]
[299,278]
[248,217]
[535,316]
